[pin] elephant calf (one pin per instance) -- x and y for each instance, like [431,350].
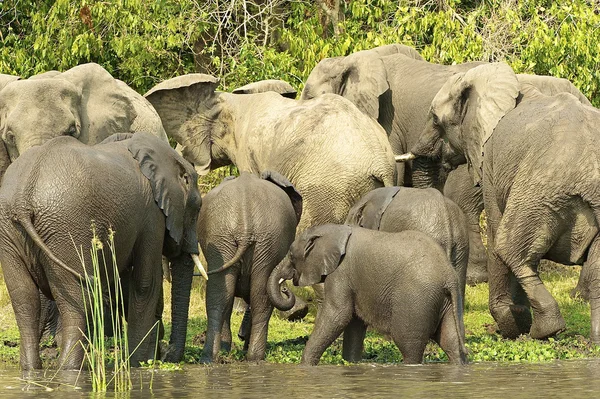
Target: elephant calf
[245,228]
[401,284]
[396,209]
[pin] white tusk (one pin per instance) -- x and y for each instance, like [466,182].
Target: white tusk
[281,281]
[409,156]
[199,266]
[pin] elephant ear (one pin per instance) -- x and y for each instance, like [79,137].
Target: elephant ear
[278,86]
[472,103]
[324,250]
[105,108]
[6,79]
[163,168]
[369,210]
[363,82]
[286,186]
[178,101]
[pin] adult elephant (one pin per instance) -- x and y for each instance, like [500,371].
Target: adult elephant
[84,102]
[533,155]
[330,151]
[50,196]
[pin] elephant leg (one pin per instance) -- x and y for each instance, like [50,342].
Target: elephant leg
[220,291]
[521,250]
[592,287]
[25,298]
[261,309]
[244,330]
[354,336]
[513,319]
[448,337]
[226,337]
[72,339]
[145,289]
[332,318]
[460,189]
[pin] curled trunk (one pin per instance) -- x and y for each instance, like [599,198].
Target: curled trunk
[282,298]
[182,271]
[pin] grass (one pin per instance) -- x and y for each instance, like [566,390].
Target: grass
[286,339]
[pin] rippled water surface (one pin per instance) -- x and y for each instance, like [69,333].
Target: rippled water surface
[572,379]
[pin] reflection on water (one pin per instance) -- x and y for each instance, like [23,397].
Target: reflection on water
[575,379]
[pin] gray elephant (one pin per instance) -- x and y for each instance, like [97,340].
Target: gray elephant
[401,284]
[396,209]
[84,102]
[137,187]
[330,151]
[278,86]
[532,154]
[245,228]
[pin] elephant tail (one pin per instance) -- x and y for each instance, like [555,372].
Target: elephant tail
[241,250]
[25,221]
[453,292]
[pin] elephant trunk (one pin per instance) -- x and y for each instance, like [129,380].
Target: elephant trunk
[280,296]
[426,173]
[182,271]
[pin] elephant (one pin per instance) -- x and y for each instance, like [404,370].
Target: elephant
[402,284]
[245,228]
[84,102]
[278,86]
[330,151]
[135,188]
[396,209]
[532,155]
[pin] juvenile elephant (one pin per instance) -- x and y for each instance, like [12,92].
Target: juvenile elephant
[401,284]
[396,209]
[330,151]
[532,154]
[245,228]
[137,187]
[84,102]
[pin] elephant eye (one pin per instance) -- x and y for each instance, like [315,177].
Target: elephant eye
[72,131]
[9,138]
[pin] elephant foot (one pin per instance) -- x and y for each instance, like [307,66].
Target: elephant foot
[513,320]
[167,353]
[547,326]
[476,276]
[296,313]
[579,293]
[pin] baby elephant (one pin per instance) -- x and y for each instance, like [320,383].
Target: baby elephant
[396,209]
[401,284]
[245,228]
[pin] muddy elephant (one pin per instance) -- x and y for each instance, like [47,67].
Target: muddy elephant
[532,154]
[84,102]
[245,229]
[396,209]
[401,284]
[138,188]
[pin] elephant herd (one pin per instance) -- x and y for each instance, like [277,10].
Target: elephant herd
[369,186]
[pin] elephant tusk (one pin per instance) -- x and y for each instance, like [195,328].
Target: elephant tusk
[199,266]
[409,156]
[281,281]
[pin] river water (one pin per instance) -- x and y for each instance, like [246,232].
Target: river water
[567,379]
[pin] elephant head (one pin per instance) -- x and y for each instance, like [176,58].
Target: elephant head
[361,77]
[464,114]
[369,210]
[278,86]
[312,256]
[84,102]
[189,109]
[174,185]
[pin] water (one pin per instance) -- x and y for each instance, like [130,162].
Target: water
[572,379]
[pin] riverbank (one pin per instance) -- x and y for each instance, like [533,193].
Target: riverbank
[287,339]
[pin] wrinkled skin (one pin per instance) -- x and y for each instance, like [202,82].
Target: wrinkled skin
[420,299]
[85,102]
[396,209]
[308,142]
[245,229]
[532,154]
[58,189]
